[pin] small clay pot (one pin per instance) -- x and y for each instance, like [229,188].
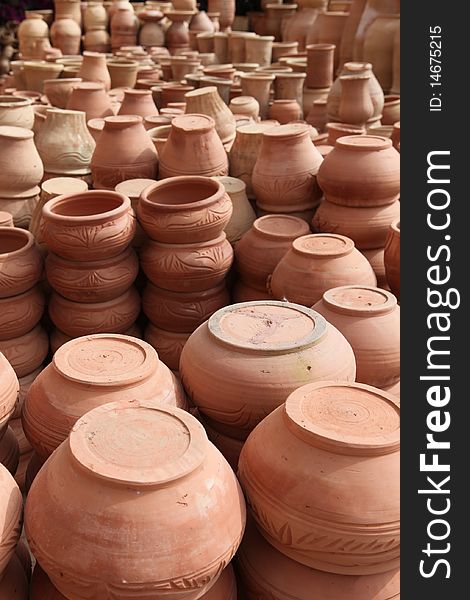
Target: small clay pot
[245,105]
[123,73]
[58,90]
[20,261]
[138,102]
[284,111]
[19,314]
[11,508]
[330,457]
[88,372]
[93,68]
[88,226]
[184,210]
[189,267]
[392,258]
[9,451]
[91,98]
[168,344]
[17,112]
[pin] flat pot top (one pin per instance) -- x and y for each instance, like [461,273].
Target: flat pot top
[359,300]
[323,245]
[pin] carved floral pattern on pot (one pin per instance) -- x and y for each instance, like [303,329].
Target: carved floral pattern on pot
[19,314]
[20,261]
[27,352]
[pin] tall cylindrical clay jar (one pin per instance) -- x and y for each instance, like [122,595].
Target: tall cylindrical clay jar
[355,106]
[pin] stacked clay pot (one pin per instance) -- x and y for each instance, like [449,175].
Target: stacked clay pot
[258,252]
[155,466]
[186,259]
[13,581]
[247,358]
[96,38]
[243,215]
[321,480]
[9,387]
[90,266]
[360,179]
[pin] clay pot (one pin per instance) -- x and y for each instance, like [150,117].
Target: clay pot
[265,367]
[177,35]
[137,451]
[59,338]
[221,47]
[245,105]
[346,51]
[243,214]
[320,65]
[391,110]
[226,10]
[32,33]
[375,256]
[337,130]
[314,264]
[97,41]
[284,176]
[95,16]
[376,93]
[152,32]
[9,451]
[201,22]
[392,258]
[36,73]
[355,105]
[65,129]
[237,47]
[124,27]
[328,29]
[317,115]
[264,571]
[69,8]
[205,43]
[367,227]
[88,372]
[350,432]
[228,446]
[378,47]
[168,344]
[223,86]
[115,159]
[93,68]
[58,90]
[21,167]
[259,49]
[88,226]
[8,393]
[361,170]
[123,73]
[19,314]
[26,353]
[25,383]
[6,219]
[275,13]
[90,98]
[285,111]
[281,49]
[184,210]
[193,148]
[138,102]
[97,281]
[14,583]
[66,35]
[206,101]
[190,267]
[11,506]
[369,319]
[289,86]
[258,85]
[20,262]
[17,112]
[298,26]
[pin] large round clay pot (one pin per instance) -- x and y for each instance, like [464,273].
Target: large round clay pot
[9,451]
[366,226]
[266,573]
[66,35]
[191,267]
[369,319]
[17,112]
[168,344]
[316,263]
[19,314]
[87,226]
[193,148]
[378,47]
[21,168]
[263,246]
[94,281]
[262,352]
[230,447]
[20,261]
[321,476]
[31,32]
[93,68]
[124,27]
[138,102]
[14,582]
[58,90]
[11,508]
[284,177]
[115,158]
[361,170]
[206,101]
[8,392]
[182,311]
[392,258]
[184,210]
[91,98]
[88,372]
[124,455]
[27,352]
[79,318]
[152,32]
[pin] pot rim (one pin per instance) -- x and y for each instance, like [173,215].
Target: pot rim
[189,180]
[364,143]
[388,304]
[18,233]
[273,235]
[14,101]
[84,220]
[300,246]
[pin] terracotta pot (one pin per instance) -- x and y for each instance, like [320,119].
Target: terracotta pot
[177,35]
[346,50]
[26,353]
[285,111]
[59,338]
[182,311]
[376,93]
[314,264]
[369,319]
[243,214]
[121,466]
[298,26]
[228,446]
[6,219]
[89,372]
[245,105]
[168,344]
[21,168]
[367,227]
[317,115]
[77,318]
[281,49]
[36,73]
[226,10]
[337,130]
[8,393]
[193,148]
[237,47]
[172,92]
[58,90]
[361,170]
[259,49]
[152,32]
[90,98]
[21,209]
[69,8]
[95,16]
[378,47]
[115,160]
[66,35]
[123,73]
[258,85]
[32,32]
[205,43]
[351,432]
[93,68]
[124,27]
[282,185]
[184,210]
[97,281]
[289,86]
[25,383]
[391,110]
[221,47]
[16,112]
[252,346]
[371,10]
[328,29]
[275,14]
[20,262]
[19,314]
[265,572]
[355,105]
[320,65]
[206,101]
[14,583]
[392,258]
[138,102]
[187,267]
[9,451]
[375,256]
